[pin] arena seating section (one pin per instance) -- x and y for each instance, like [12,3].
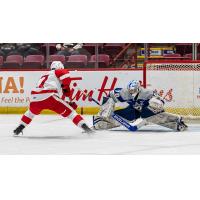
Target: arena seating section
[107,51]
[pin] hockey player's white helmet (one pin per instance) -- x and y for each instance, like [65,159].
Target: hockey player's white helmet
[56,65]
[133,87]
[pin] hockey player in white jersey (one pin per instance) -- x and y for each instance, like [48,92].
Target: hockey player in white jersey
[49,93]
[143,104]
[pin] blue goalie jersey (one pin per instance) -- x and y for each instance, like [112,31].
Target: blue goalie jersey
[137,104]
[123,95]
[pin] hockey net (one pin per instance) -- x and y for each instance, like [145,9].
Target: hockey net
[178,82]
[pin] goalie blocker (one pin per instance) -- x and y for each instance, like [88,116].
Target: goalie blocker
[144,107]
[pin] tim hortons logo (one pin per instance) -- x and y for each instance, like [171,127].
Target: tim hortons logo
[84,94]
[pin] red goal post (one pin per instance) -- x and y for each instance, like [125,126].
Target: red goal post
[178,82]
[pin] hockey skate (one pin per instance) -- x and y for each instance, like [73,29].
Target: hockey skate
[19,130]
[87,129]
[181,126]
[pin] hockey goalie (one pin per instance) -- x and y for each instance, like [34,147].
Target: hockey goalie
[145,106]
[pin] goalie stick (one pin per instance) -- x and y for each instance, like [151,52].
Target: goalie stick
[137,124]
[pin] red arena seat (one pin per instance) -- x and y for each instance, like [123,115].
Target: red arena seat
[34,61]
[103,60]
[60,58]
[13,62]
[75,61]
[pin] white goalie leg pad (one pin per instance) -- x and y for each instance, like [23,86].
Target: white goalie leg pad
[107,108]
[167,120]
[100,123]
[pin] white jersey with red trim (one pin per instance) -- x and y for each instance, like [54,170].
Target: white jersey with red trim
[50,84]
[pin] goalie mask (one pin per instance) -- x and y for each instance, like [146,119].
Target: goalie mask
[56,65]
[133,87]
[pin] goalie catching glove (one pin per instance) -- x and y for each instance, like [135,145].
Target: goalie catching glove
[156,105]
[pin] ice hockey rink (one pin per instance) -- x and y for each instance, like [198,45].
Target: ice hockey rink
[51,134]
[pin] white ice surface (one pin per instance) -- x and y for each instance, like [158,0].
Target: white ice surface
[50,134]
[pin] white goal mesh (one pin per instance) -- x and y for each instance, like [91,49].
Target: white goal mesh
[178,82]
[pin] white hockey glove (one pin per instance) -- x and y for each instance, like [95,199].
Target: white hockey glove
[156,105]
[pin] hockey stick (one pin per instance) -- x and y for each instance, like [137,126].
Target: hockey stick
[114,116]
[119,119]
[136,125]
[124,123]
